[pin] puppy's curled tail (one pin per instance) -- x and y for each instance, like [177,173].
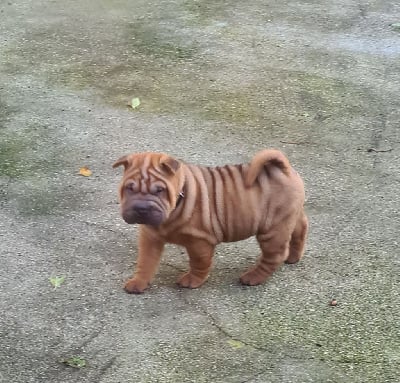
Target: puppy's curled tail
[264,160]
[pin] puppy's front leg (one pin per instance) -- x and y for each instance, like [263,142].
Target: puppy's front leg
[200,258]
[150,250]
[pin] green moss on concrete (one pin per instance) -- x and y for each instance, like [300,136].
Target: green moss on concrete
[20,153]
[173,75]
[5,113]
[31,177]
[204,12]
[11,157]
[143,39]
[317,93]
[360,335]
[211,349]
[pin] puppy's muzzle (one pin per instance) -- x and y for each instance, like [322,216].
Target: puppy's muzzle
[144,213]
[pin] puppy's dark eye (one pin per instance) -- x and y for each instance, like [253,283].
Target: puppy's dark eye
[159,189]
[130,186]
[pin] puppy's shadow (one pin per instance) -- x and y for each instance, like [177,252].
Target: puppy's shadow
[229,262]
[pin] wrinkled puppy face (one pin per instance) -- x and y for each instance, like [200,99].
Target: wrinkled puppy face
[149,188]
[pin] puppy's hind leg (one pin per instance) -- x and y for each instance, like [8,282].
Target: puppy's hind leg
[298,239]
[274,250]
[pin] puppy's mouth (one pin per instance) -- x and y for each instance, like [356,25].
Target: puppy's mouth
[143,213]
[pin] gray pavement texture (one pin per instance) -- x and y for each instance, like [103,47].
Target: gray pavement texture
[218,80]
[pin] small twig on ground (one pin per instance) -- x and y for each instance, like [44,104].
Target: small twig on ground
[303,143]
[295,143]
[379,151]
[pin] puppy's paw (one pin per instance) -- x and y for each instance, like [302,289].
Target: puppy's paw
[190,281]
[253,277]
[135,286]
[293,257]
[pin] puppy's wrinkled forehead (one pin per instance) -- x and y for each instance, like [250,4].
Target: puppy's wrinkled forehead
[143,165]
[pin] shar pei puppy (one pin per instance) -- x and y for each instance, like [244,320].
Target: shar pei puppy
[198,207]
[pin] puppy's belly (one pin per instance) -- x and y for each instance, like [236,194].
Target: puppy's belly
[234,227]
[236,233]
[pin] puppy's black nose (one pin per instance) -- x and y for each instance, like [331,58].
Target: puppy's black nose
[142,208]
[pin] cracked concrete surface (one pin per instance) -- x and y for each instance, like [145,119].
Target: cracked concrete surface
[218,80]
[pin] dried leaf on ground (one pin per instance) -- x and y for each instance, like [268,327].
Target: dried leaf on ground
[85,171]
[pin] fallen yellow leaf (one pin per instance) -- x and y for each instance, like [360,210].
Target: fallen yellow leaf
[235,343]
[86,172]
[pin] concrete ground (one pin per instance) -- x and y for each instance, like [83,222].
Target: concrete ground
[217,80]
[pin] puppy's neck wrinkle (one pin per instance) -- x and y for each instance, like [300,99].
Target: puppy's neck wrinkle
[180,197]
[177,224]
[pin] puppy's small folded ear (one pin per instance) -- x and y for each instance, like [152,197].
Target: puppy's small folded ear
[121,161]
[170,164]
